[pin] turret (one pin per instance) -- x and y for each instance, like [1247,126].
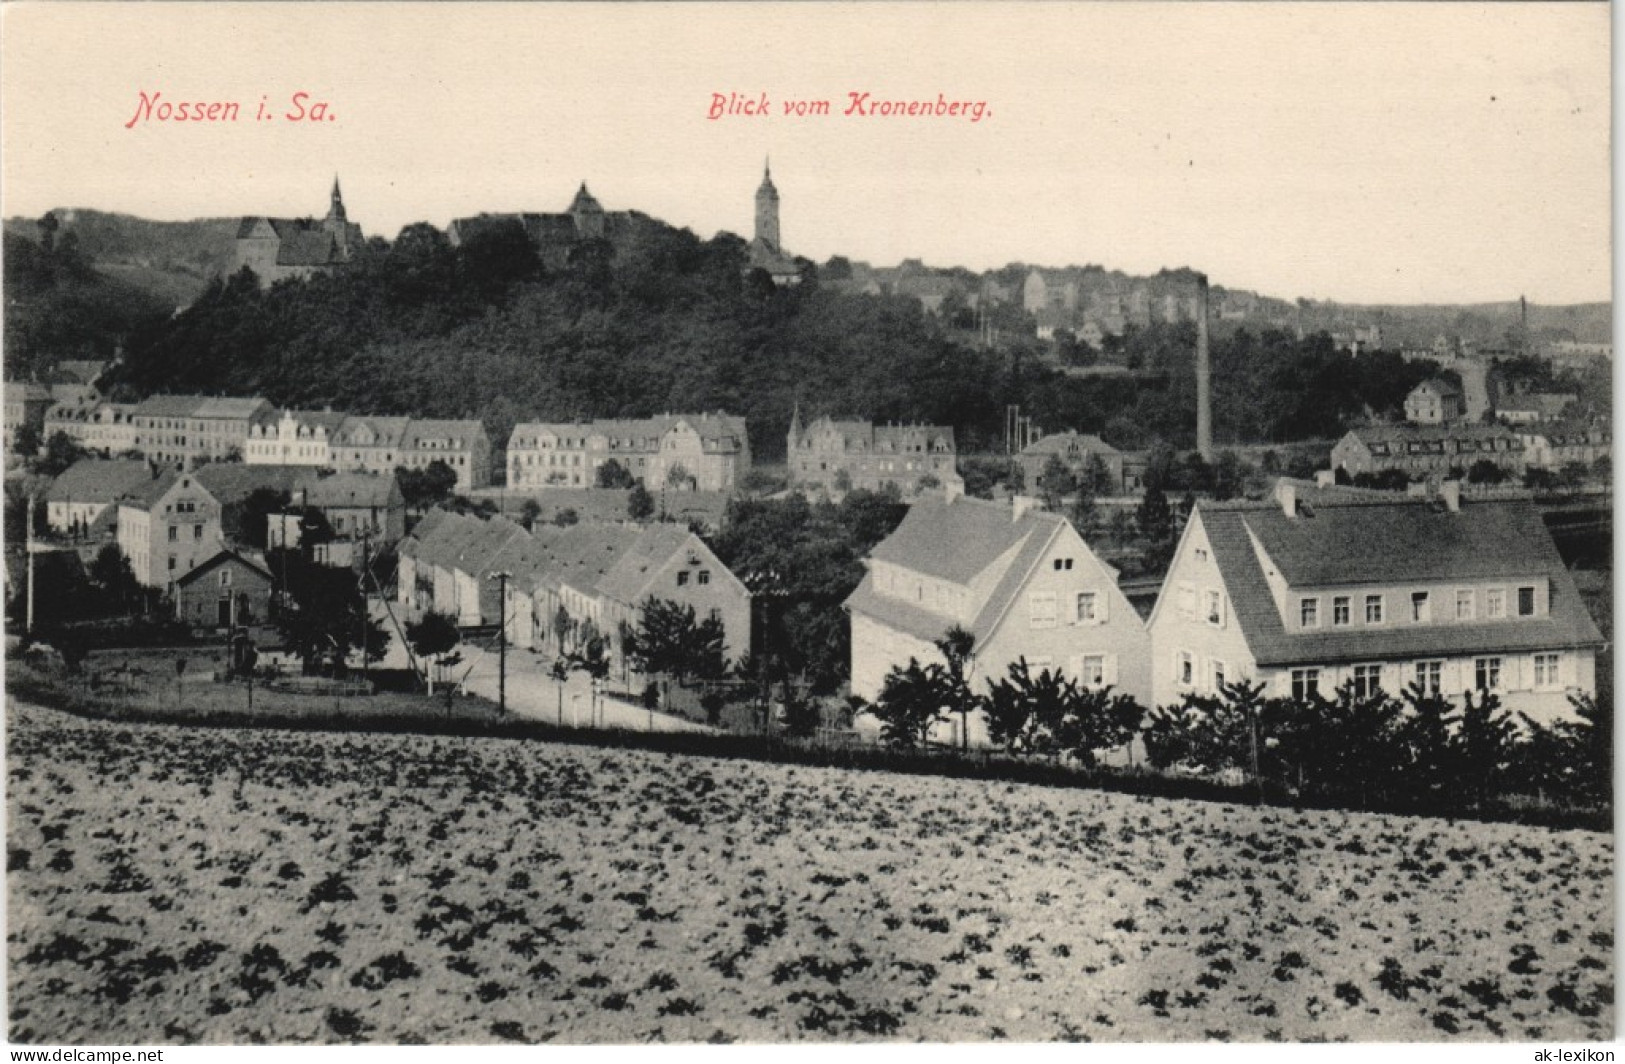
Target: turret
[767,210]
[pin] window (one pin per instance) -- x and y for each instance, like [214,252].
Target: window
[1367,680]
[174,533]
[1373,609]
[1041,609]
[1466,604]
[1185,668]
[1092,672]
[1087,612]
[225,578]
[1305,683]
[1215,608]
[1063,563]
[1495,603]
[1340,610]
[1526,602]
[682,578]
[1309,612]
[1215,673]
[704,576]
[1201,554]
[171,563]
[1421,612]
[1546,670]
[1487,674]
[197,532]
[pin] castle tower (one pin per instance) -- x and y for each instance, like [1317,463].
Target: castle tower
[588,215]
[767,211]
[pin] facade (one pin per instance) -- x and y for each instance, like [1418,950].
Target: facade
[704,452]
[225,591]
[1314,590]
[1021,581]
[167,527]
[1434,402]
[369,444]
[448,562]
[293,437]
[844,455]
[95,425]
[1074,449]
[277,249]
[462,445]
[87,490]
[357,505]
[1427,450]
[185,430]
[1531,407]
[1553,445]
[25,404]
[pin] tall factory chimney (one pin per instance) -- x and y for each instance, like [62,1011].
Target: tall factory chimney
[1204,375]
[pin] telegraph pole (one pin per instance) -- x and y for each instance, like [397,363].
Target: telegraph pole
[502,641]
[28,540]
[365,606]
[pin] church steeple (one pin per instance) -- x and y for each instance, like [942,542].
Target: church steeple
[795,425]
[767,209]
[335,210]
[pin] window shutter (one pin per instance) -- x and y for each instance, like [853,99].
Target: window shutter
[1102,607]
[1567,670]
[1108,672]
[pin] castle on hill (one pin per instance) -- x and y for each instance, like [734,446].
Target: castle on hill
[557,235]
[766,250]
[279,248]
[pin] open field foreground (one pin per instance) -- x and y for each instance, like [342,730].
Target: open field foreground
[170,885]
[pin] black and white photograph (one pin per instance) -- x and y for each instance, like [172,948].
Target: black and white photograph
[703,523]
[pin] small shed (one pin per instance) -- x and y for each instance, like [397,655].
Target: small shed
[227,590]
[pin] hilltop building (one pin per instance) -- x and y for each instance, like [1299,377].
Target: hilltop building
[558,236]
[843,455]
[1316,589]
[1020,580]
[766,249]
[280,248]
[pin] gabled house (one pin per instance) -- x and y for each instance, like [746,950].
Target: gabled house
[844,455]
[293,437]
[167,525]
[704,452]
[88,489]
[1074,449]
[1316,589]
[448,563]
[1434,402]
[1020,580]
[1422,450]
[224,591]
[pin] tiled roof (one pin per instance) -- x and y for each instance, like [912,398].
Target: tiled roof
[349,489]
[1369,434]
[232,482]
[957,540]
[197,571]
[26,392]
[386,431]
[142,496]
[228,408]
[1392,552]
[627,581]
[1061,442]
[84,370]
[1438,386]
[432,428]
[1546,404]
[98,480]
[717,431]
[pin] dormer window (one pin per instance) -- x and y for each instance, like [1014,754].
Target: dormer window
[1421,610]
[1309,612]
[1526,601]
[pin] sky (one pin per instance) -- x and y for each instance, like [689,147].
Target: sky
[1362,152]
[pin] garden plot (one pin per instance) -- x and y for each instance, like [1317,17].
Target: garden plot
[170,885]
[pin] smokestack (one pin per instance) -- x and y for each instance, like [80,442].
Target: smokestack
[1204,374]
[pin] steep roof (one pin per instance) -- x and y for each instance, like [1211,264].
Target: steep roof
[228,408]
[26,392]
[349,489]
[197,571]
[1545,404]
[438,428]
[1397,543]
[142,496]
[386,431]
[716,431]
[627,580]
[98,480]
[1439,386]
[84,370]
[231,482]
[1403,433]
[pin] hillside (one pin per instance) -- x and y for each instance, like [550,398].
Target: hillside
[170,260]
[584,895]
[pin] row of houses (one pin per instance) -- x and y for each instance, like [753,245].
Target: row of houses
[1302,594]
[191,430]
[837,455]
[700,452]
[551,586]
[1439,401]
[1441,449]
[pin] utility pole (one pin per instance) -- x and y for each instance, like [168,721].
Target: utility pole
[502,640]
[365,606]
[28,539]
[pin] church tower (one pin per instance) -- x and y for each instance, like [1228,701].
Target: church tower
[767,211]
[336,218]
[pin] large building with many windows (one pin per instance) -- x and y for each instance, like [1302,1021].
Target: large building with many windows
[1317,589]
[842,455]
[702,452]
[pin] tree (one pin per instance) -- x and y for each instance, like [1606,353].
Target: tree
[1155,516]
[249,519]
[912,699]
[566,517]
[614,475]
[325,613]
[1484,743]
[1056,483]
[957,646]
[111,573]
[1025,712]
[426,487]
[1227,475]
[670,639]
[27,440]
[61,452]
[640,505]
[679,478]
[1485,471]
[530,513]
[435,636]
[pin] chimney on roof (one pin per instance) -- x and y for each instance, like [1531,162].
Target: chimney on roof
[1286,493]
[1450,493]
[1020,505]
